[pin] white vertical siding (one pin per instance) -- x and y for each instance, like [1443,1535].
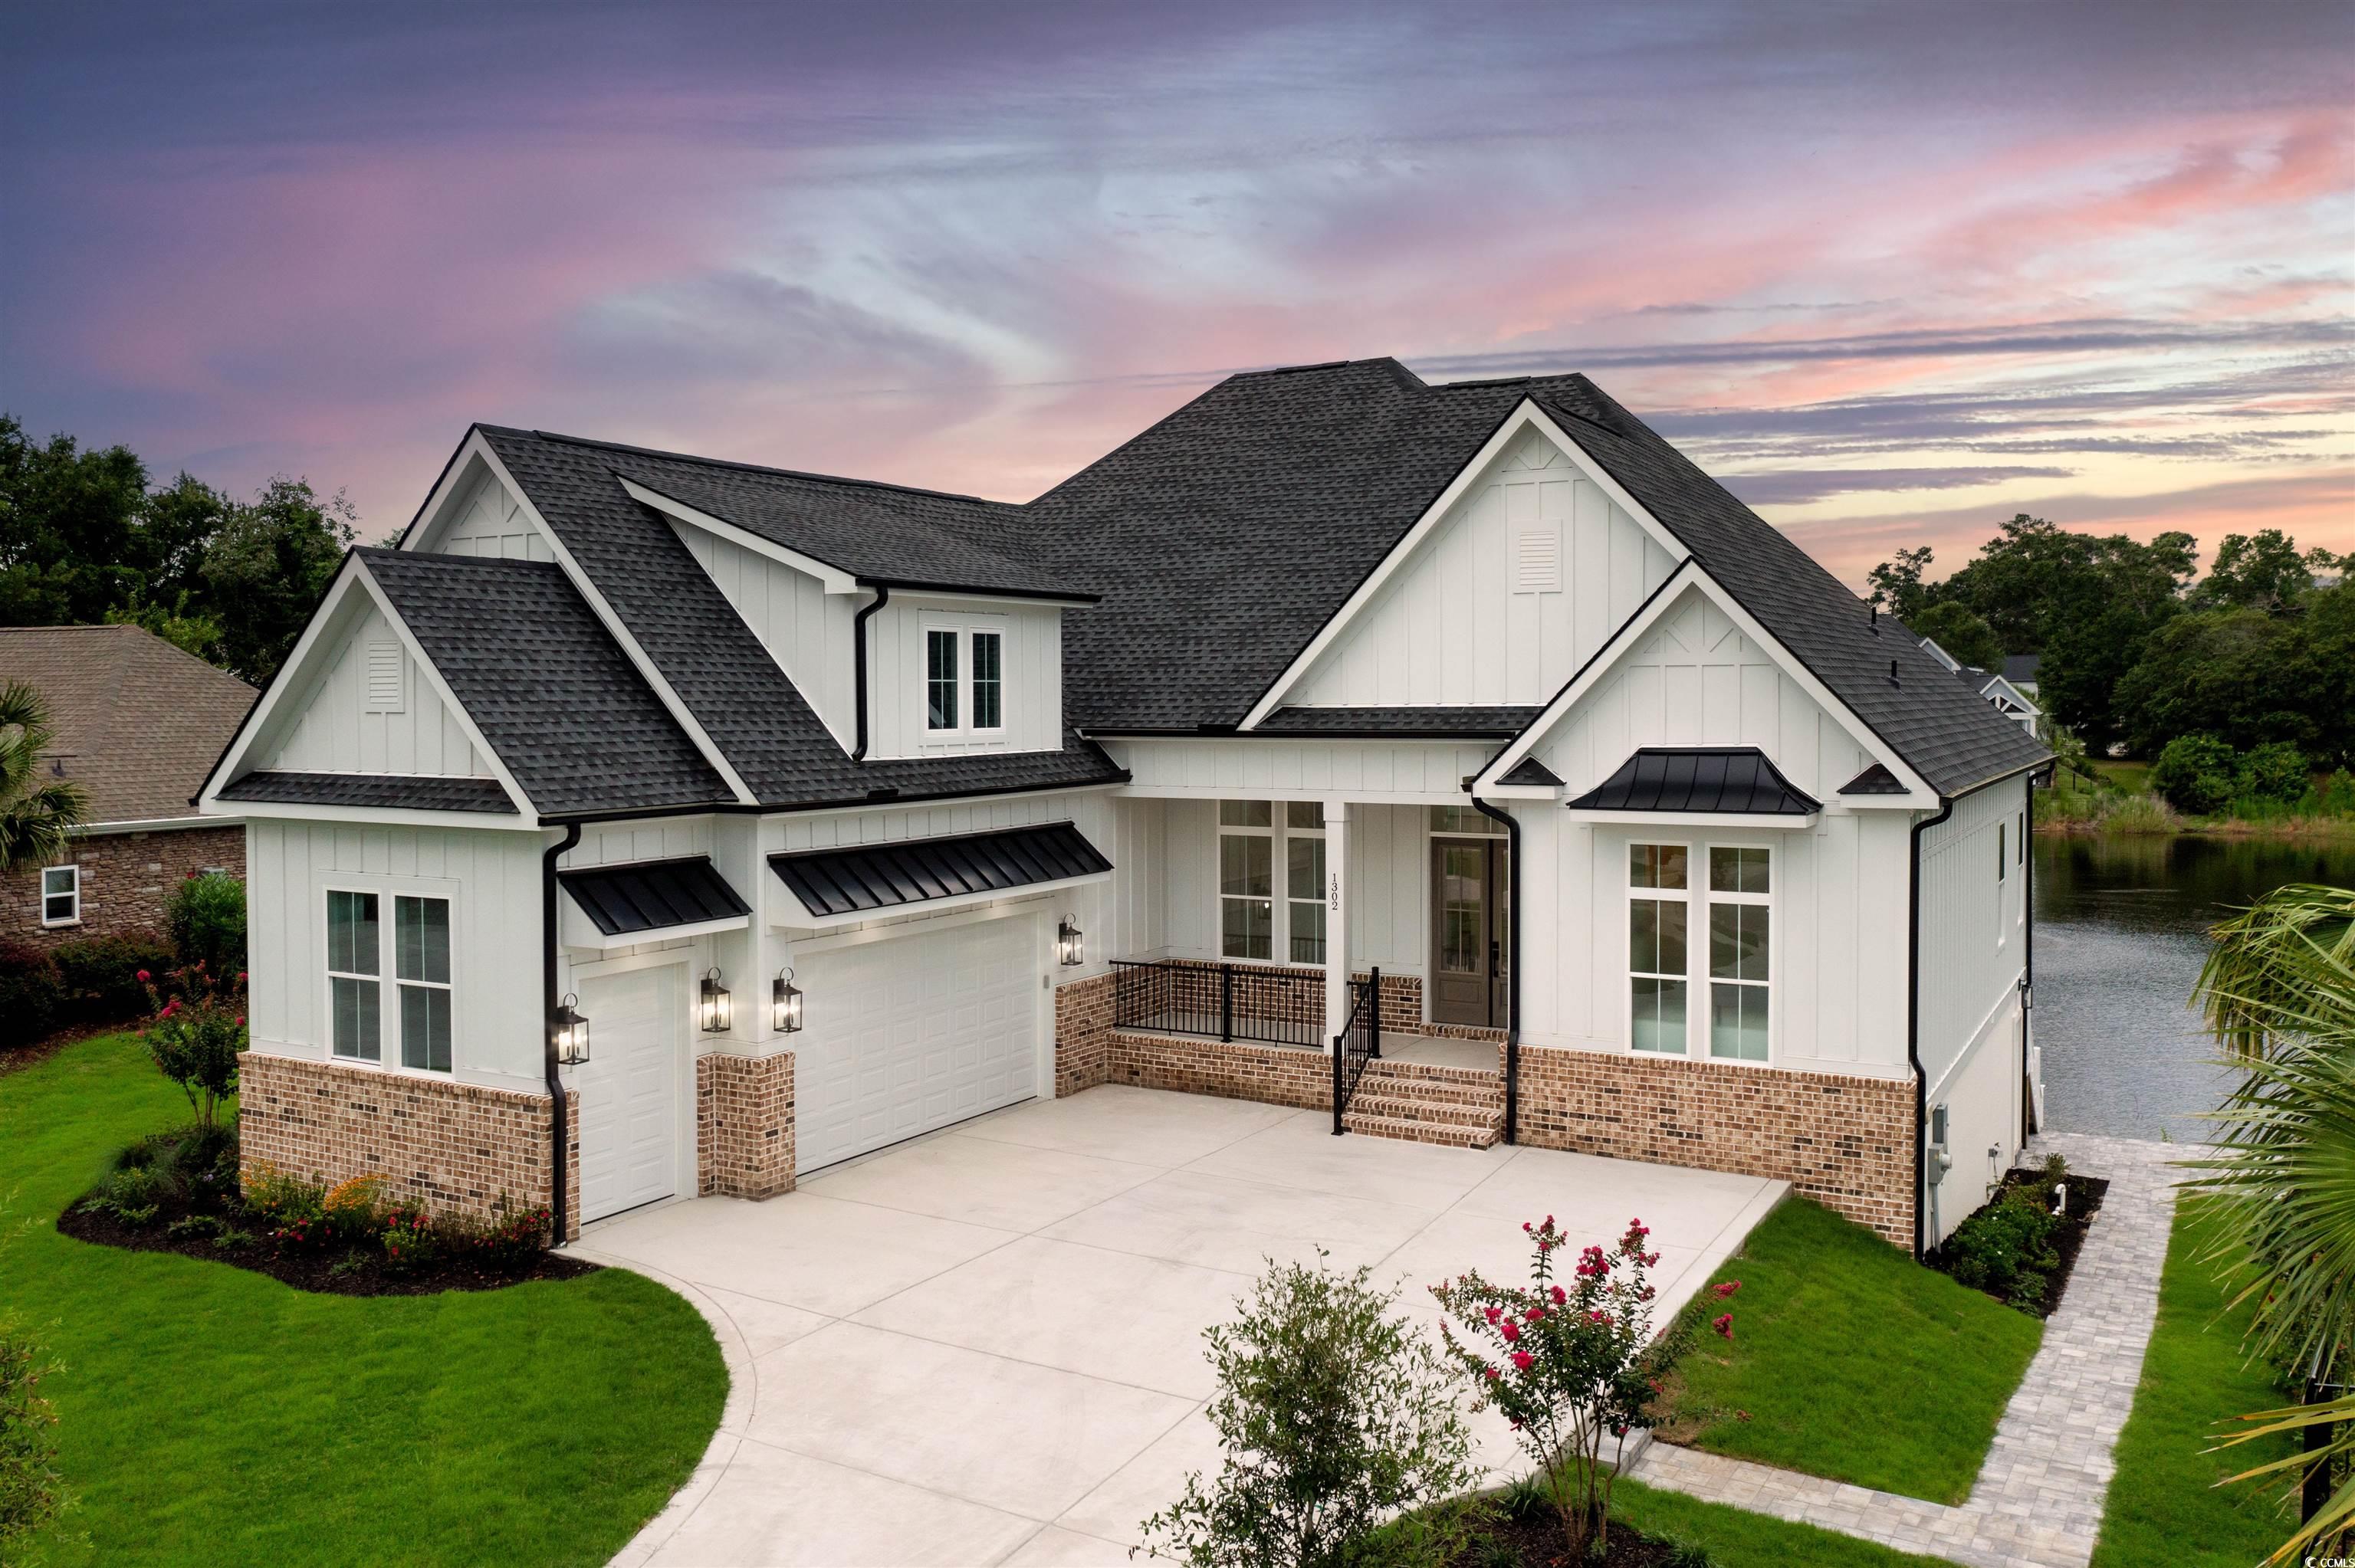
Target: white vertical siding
[488,521]
[333,730]
[1032,669]
[1392,772]
[1389,851]
[1973,935]
[805,629]
[1453,626]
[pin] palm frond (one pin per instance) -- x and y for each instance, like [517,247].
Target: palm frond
[2337,1513]
[2268,962]
[35,815]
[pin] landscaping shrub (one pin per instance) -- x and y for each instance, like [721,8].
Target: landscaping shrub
[102,976]
[2006,1248]
[31,994]
[206,921]
[32,1493]
[2196,774]
[506,1245]
[349,1214]
[411,1240]
[289,1210]
[131,1195]
[1570,1366]
[197,1034]
[2275,772]
[1335,1417]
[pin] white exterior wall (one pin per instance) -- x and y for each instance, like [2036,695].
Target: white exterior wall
[1032,669]
[491,880]
[1387,872]
[1407,772]
[333,728]
[488,521]
[1457,622]
[806,629]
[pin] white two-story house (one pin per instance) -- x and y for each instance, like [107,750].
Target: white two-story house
[1460,758]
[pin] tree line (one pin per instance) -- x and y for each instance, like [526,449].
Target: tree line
[2138,648]
[86,539]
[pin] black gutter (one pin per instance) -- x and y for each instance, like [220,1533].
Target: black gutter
[2028,960]
[1513,974]
[560,1122]
[859,666]
[1913,1018]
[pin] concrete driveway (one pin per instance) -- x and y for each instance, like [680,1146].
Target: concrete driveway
[986,1346]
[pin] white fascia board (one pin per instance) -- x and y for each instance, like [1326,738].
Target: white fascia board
[227,819]
[620,632]
[789,915]
[921,596]
[293,673]
[1918,796]
[1763,820]
[458,475]
[833,578]
[1548,792]
[1523,419]
[381,816]
[2012,694]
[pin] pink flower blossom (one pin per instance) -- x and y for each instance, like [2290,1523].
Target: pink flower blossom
[142,977]
[1523,1360]
[1724,1325]
[1726,1289]
[1598,1317]
[1494,1313]
[1560,1296]
[1492,1373]
[1535,1315]
[1510,1330]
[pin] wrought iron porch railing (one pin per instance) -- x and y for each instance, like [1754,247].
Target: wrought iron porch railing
[1220,1002]
[1360,1041]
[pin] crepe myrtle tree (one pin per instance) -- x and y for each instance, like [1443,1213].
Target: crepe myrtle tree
[1571,1366]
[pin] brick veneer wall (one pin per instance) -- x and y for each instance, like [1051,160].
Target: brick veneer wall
[743,1125]
[1272,1074]
[451,1147]
[126,881]
[1847,1142]
[1083,1014]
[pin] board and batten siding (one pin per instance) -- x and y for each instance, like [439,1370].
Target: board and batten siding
[372,711]
[1406,772]
[1974,929]
[491,880]
[1031,667]
[1527,576]
[805,629]
[1387,875]
[489,520]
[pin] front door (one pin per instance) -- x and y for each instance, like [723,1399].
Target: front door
[1469,964]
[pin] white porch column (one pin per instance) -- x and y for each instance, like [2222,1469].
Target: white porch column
[1337,918]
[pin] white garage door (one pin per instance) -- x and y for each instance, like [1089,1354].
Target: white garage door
[629,1089]
[913,1033]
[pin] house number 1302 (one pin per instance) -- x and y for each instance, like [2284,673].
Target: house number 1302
[1334,901]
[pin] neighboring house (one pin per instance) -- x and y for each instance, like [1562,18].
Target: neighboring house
[2019,669]
[2011,699]
[137,724]
[842,811]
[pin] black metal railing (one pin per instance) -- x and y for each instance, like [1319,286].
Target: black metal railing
[1360,1041]
[1221,1002]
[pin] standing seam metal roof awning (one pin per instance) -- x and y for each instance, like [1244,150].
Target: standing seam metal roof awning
[832,883]
[1724,781]
[651,894]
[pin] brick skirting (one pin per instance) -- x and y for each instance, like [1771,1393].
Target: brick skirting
[1084,1013]
[743,1125]
[453,1148]
[126,881]
[1272,1074]
[1847,1142]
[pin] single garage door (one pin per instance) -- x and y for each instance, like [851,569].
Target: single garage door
[913,1034]
[629,1088]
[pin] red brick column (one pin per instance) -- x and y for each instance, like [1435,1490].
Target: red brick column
[743,1125]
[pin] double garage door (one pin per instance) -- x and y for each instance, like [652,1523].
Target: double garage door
[914,1032]
[904,1035]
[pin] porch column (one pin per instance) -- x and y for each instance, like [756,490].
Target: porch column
[1337,918]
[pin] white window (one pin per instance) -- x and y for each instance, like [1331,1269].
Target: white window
[415,951]
[1740,951]
[964,680]
[1303,860]
[1658,902]
[61,896]
[1246,879]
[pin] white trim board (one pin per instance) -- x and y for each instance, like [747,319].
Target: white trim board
[833,579]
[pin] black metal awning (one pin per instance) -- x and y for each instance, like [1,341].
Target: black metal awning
[852,881]
[1722,780]
[652,894]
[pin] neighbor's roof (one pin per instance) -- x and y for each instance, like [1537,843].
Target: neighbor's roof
[2021,669]
[138,723]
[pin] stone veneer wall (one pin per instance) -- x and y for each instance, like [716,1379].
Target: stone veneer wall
[126,881]
[451,1147]
[1847,1142]
[743,1125]
[1272,1074]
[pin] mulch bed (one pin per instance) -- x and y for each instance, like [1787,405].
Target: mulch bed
[2085,1193]
[310,1271]
[1537,1543]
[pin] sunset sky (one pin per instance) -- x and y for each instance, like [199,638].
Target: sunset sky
[1892,271]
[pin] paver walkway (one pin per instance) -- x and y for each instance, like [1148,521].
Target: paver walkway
[2038,1500]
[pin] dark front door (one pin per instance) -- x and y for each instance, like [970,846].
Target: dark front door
[1469,965]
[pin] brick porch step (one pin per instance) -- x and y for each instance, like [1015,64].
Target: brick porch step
[1423,1103]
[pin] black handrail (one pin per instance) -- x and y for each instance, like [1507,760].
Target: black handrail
[1220,1002]
[1360,1041]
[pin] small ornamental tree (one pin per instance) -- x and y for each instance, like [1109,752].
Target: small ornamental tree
[1570,1366]
[1336,1416]
[197,1035]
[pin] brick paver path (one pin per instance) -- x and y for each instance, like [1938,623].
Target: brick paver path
[2038,1500]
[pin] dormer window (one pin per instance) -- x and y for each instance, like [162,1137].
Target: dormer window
[964,680]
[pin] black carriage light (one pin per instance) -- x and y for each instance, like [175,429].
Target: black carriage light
[717,1011]
[1071,943]
[571,1031]
[785,1004]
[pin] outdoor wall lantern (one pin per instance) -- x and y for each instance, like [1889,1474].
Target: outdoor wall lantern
[571,1031]
[785,1003]
[717,1011]
[1071,943]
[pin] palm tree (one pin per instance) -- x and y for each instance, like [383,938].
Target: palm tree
[35,813]
[2278,991]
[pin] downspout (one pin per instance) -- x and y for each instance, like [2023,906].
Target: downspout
[559,1120]
[2028,962]
[1913,1022]
[859,666]
[1513,973]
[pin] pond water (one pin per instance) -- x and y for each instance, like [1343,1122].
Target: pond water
[2121,929]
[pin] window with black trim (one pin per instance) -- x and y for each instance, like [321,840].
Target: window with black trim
[940,680]
[420,968]
[355,963]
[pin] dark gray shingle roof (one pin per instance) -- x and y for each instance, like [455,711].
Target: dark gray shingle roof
[1467,723]
[410,791]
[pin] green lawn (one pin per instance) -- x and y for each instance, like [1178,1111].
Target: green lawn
[1736,1538]
[1852,1361]
[2164,1505]
[207,1414]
